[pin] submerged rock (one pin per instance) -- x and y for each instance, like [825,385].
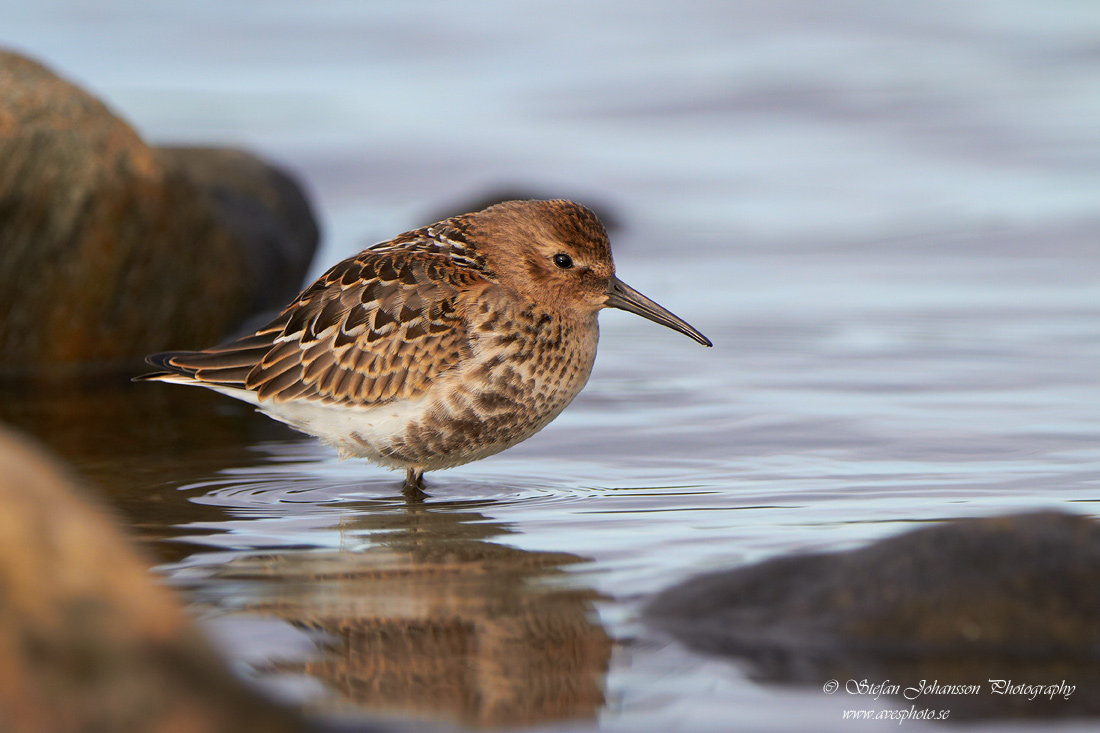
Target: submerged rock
[111,249]
[1012,597]
[87,641]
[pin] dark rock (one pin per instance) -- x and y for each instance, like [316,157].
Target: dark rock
[87,641]
[110,249]
[266,211]
[1013,597]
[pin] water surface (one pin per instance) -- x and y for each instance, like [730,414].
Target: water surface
[884,217]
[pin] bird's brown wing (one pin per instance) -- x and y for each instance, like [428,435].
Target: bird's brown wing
[376,327]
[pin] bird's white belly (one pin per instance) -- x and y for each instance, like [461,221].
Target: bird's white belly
[363,432]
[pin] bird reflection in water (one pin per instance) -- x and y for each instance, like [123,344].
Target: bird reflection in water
[434,620]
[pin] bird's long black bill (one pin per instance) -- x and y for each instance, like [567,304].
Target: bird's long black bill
[622,296]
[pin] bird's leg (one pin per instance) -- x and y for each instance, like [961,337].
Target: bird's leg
[414,481]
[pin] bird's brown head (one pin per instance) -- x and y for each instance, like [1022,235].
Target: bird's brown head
[557,254]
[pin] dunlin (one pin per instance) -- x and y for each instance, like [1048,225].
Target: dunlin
[439,347]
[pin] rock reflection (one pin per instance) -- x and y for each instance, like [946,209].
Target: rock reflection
[129,441]
[433,620]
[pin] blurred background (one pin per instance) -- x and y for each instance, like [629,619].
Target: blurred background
[731,124]
[885,215]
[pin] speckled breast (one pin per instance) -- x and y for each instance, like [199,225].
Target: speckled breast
[525,367]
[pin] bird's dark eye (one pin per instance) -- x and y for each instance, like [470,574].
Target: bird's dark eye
[563,261]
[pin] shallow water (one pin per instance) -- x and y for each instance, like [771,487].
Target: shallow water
[885,219]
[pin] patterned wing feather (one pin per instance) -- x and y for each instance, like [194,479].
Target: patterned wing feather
[377,327]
